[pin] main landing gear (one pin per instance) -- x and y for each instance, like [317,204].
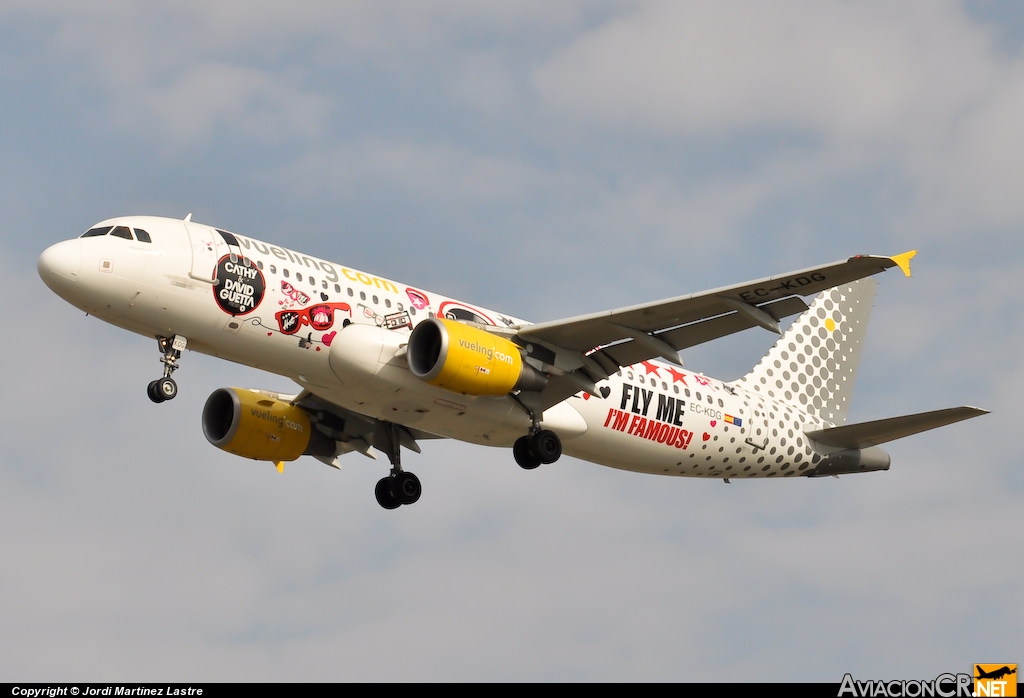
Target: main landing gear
[165,388]
[400,487]
[541,446]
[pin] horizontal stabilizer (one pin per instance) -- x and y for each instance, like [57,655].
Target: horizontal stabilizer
[868,434]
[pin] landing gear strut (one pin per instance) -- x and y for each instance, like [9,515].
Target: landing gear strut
[165,388]
[539,446]
[400,487]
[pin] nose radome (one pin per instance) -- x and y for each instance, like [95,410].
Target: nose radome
[60,264]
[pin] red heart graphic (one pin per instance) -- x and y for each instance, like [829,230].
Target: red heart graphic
[714,422]
[707,436]
[328,338]
[586,396]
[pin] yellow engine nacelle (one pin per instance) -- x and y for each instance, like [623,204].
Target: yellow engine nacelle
[257,425]
[463,359]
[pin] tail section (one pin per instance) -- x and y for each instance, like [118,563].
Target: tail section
[814,363]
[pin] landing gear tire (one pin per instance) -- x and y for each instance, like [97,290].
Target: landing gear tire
[406,488]
[153,393]
[385,497]
[546,445]
[524,455]
[166,388]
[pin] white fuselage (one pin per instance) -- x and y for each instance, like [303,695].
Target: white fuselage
[339,332]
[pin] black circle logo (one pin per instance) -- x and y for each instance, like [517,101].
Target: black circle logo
[240,285]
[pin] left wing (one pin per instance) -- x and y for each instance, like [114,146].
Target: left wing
[355,432]
[585,349]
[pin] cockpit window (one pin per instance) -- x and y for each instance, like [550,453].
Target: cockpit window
[122,231]
[96,232]
[142,236]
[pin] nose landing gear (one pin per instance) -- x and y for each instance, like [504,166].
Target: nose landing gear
[165,388]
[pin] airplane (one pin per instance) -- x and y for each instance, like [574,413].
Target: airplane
[996,674]
[383,365]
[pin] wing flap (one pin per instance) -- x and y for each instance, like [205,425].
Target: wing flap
[629,353]
[867,434]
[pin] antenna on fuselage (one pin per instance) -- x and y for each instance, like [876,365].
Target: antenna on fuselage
[188,218]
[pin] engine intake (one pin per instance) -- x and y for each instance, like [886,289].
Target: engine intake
[254,424]
[466,360]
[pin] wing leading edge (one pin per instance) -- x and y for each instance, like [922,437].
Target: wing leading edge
[588,348]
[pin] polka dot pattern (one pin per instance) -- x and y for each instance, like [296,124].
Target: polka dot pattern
[812,366]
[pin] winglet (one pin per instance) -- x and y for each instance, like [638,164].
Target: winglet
[903,261]
[280,466]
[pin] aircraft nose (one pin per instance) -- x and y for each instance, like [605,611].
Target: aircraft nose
[59,265]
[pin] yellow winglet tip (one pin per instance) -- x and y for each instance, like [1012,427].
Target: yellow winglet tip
[280,466]
[903,260]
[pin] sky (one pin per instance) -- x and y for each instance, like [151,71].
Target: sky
[546,160]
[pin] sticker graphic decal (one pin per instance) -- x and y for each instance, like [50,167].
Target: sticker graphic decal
[460,311]
[240,285]
[397,321]
[320,317]
[293,293]
[417,298]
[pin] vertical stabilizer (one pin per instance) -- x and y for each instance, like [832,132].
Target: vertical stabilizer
[814,363]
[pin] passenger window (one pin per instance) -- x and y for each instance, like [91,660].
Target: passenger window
[337,288]
[298,276]
[675,389]
[387,302]
[122,231]
[259,265]
[96,232]
[285,273]
[412,309]
[312,281]
[375,300]
[362,295]
[400,305]
[273,269]
[350,293]
[142,236]
[720,403]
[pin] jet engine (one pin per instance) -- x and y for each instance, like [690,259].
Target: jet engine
[463,359]
[259,425]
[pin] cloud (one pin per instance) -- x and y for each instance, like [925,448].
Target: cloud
[917,88]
